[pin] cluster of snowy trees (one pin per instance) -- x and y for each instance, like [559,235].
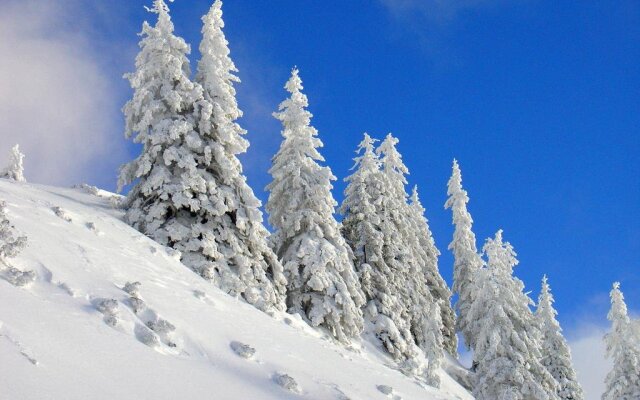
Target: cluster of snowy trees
[374,274]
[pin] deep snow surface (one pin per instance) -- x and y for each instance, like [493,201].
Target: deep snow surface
[56,344]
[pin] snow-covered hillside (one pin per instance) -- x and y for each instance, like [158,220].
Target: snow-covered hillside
[62,337]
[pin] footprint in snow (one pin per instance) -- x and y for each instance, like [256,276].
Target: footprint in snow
[388,390]
[93,228]
[287,382]
[242,350]
[19,278]
[61,213]
[109,309]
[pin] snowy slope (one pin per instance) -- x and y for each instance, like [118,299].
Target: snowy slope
[55,344]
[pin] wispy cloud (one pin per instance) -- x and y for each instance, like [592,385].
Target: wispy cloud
[588,353]
[438,11]
[56,100]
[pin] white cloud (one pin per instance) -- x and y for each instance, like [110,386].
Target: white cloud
[588,353]
[55,99]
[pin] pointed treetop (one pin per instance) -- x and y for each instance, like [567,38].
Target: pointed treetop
[164,20]
[455,182]
[501,254]
[294,84]
[391,158]
[618,306]
[367,144]
[545,308]
[293,112]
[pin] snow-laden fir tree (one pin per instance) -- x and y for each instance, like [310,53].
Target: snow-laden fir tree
[426,251]
[10,242]
[189,192]
[556,356]
[322,285]
[506,352]
[251,252]
[386,315]
[623,347]
[15,169]
[466,261]
[400,252]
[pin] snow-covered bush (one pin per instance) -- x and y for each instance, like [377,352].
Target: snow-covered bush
[322,284]
[15,169]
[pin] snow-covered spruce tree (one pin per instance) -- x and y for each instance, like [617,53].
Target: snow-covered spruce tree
[189,192]
[467,261]
[322,285]
[506,352]
[426,251]
[15,169]
[386,316]
[10,243]
[556,356]
[623,347]
[400,252]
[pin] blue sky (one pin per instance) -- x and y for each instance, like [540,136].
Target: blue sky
[538,100]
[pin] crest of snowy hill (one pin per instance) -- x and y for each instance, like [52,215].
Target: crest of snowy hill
[114,315]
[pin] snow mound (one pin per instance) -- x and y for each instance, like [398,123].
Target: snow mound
[105,317]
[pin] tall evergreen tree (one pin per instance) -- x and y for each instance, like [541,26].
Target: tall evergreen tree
[506,352]
[322,284]
[15,169]
[427,252]
[556,356]
[189,192]
[366,231]
[467,261]
[401,254]
[623,347]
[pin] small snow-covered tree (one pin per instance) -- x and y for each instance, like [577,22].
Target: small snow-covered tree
[189,192]
[427,253]
[506,352]
[623,347]
[466,261]
[556,356]
[367,234]
[322,284]
[10,243]
[15,169]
